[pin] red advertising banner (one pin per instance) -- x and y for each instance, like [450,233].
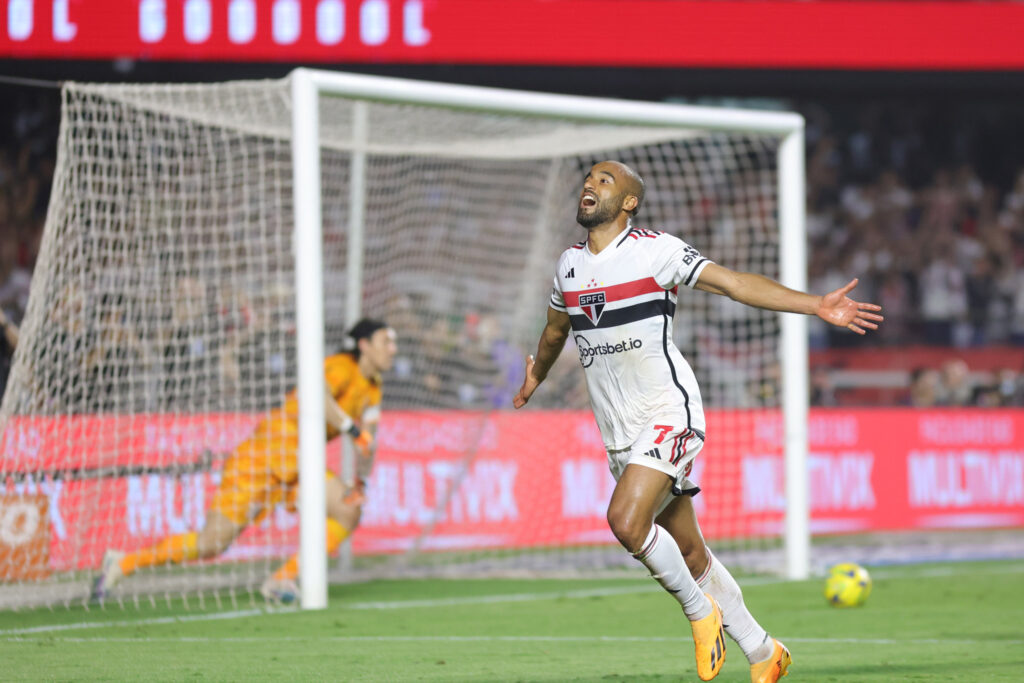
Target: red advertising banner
[839,34]
[451,480]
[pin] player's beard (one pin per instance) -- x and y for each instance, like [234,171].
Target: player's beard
[604,212]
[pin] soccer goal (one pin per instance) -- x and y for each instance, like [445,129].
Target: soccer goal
[206,245]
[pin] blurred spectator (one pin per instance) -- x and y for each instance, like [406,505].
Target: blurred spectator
[823,392]
[8,342]
[1009,384]
[479,375]
[1004,390]
[980,290]
[404,383]
[438,366]
[1017,324]
[943,299]
[505,359]
[955,388]
[924,387]
[894,298]
[85,356]
[28,135]
[187,349]
[14,279]
[266,348]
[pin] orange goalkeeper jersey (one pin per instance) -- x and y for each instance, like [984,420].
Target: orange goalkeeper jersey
[277,436]
[263,470]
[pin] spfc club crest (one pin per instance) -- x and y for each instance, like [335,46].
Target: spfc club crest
[592,305]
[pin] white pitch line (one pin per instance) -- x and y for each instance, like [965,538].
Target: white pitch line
[397,604]
[505,639]
[909,641]
[50,628]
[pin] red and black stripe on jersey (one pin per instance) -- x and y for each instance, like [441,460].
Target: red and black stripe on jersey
[624,315]
[613,317]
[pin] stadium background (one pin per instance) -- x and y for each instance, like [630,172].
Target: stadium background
[915,185]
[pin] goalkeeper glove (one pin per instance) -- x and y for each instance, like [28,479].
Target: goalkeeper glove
[362,439]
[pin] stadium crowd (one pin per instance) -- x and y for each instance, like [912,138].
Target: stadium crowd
[28,137]
[932,223]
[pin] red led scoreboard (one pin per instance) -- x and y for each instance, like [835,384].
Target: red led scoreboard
[790,34]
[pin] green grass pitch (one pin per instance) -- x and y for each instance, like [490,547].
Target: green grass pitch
[935,622]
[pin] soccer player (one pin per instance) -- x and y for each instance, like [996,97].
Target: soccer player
[263,471]
[616,291]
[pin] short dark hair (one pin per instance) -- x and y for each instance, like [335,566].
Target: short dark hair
[364,329]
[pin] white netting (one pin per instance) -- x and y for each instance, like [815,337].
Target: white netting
[161,327]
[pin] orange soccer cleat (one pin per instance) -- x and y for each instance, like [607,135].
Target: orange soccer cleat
[773,668]
[709,642]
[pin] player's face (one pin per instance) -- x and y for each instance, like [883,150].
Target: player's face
[601,197]
[380,349]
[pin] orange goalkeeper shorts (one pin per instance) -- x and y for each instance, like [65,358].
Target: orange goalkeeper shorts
[259,475]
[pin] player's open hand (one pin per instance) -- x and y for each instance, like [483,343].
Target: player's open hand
[840,310]
[530,385]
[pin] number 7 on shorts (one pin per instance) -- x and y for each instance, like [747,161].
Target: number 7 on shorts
[663,431]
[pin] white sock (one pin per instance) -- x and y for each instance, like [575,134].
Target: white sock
[661,555]
[736,618]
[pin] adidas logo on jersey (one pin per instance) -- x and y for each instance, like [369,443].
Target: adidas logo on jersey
[571,273]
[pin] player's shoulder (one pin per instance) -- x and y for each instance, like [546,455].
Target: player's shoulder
[574,250]
[343,360]
[572,253]
[640,232]
[646,238]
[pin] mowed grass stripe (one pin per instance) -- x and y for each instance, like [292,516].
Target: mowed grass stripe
[949,623]
[917,572]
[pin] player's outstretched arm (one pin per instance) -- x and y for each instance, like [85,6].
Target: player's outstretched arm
[337,418]
[756,290]
[552,340]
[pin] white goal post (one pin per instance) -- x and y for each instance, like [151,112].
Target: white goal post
[308,86]
[207,243]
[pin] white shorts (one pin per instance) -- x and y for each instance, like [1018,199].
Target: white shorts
[665,446]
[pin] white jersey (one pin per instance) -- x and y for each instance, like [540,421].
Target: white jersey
[621,303]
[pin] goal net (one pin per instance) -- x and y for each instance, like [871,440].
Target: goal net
[161,329]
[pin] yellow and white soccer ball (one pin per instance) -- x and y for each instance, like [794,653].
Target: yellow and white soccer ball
[847,585]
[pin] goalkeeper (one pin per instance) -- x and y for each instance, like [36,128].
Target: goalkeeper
[263,471]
